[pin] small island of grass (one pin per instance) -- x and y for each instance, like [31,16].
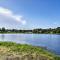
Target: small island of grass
[14,51]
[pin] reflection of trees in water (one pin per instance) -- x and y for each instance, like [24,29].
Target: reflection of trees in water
[2,37]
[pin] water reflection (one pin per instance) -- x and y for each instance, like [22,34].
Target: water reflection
[52,42]
[2,37]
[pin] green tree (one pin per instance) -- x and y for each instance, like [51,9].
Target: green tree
[3,29]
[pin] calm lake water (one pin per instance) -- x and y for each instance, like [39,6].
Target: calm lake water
[51,41]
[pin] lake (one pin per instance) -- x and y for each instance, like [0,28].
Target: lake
[51,41]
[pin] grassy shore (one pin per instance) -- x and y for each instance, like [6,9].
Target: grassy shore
[13,51]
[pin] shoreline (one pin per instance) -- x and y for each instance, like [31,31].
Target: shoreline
[13,49]
[31,33]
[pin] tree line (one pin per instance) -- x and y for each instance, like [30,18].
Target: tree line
[39,30]
[47,31]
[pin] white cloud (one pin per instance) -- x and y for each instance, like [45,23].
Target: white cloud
[9,14]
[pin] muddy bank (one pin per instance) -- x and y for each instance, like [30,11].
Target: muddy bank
[13,51]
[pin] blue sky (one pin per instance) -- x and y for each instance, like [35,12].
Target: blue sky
[29,14]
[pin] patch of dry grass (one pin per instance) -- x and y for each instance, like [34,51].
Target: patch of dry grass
[13,51]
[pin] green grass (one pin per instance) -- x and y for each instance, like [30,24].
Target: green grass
[10,48]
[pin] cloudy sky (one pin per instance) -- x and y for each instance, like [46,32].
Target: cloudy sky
[28,14]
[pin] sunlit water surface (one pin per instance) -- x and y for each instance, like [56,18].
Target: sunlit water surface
[51,41]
